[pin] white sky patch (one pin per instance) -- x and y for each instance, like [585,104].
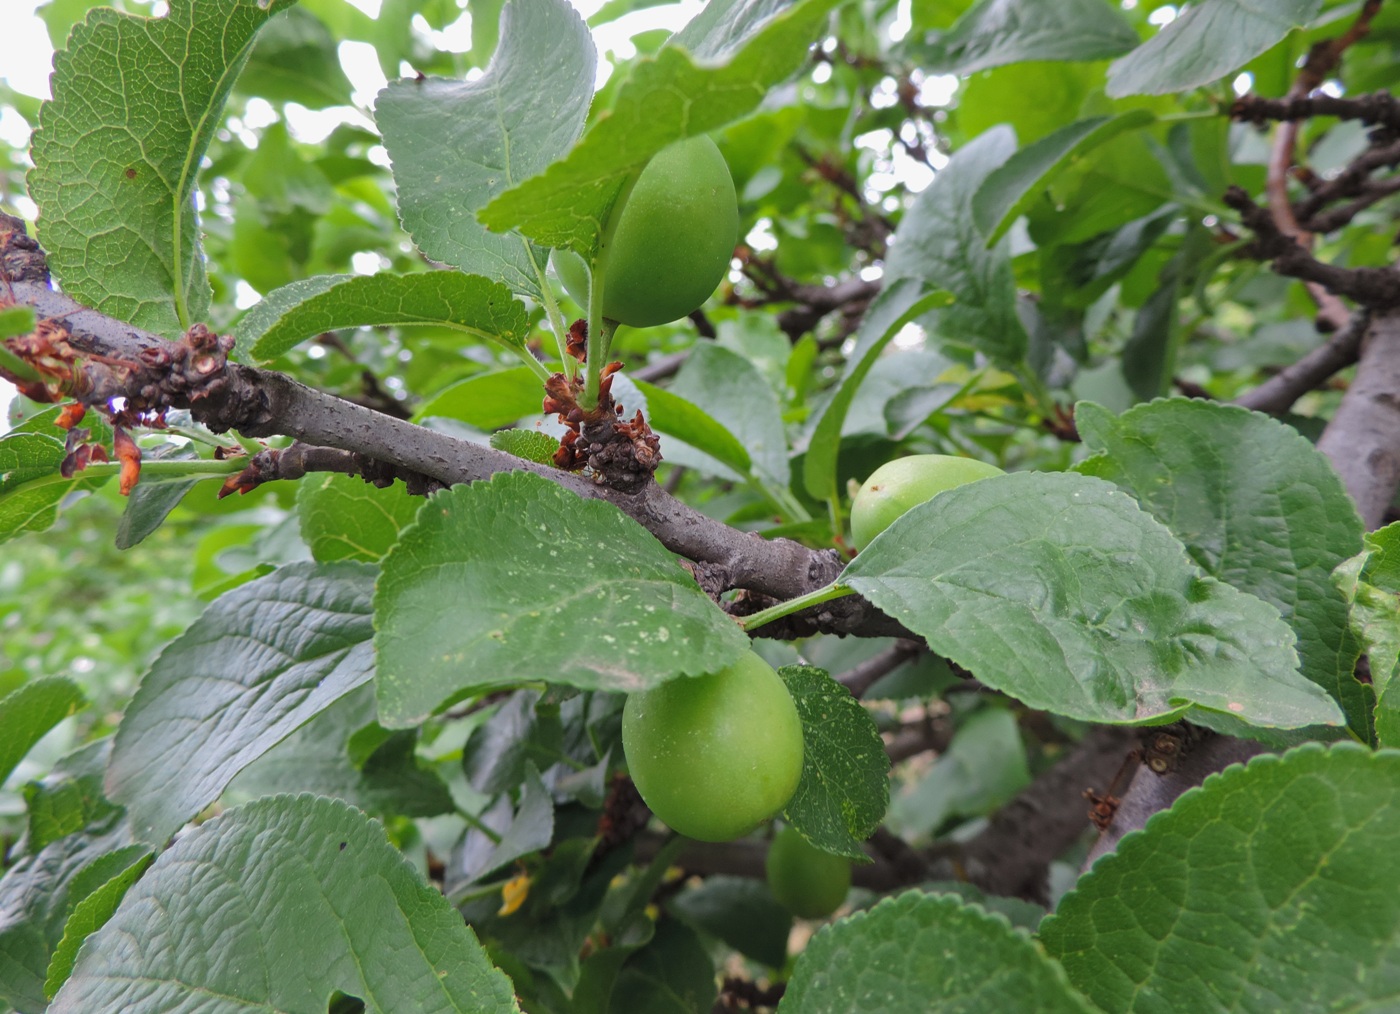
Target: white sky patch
[361,65]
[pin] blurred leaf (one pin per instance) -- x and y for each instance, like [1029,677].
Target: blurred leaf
[296,60]
[475,306]
[88,916]
[262,660]
[1058,590]
[740,911]
[982,770]
[845,787]
[455,145]
[926,953]
[1370,582]
[995,32]
[30,712]
[345,518]
[726,386]
[312,898]
[520,557]
[1287,846]
[1206,42]
[135,103]
[522,729]
[939,241]
[1149,357]
[488,400]
[16,320]
[896,305]
[713,72]
[1256,506]
[1009,190]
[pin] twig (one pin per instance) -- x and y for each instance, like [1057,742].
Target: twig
[860,678]
[1277,394]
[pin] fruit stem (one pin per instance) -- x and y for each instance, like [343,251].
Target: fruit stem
[823,594]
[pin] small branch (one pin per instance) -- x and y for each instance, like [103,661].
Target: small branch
[1374,287]
[1380,108]
[860,678]
[1367,192]
[1277,394]
[1363,439]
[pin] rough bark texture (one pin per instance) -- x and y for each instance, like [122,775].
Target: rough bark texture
[1363,439]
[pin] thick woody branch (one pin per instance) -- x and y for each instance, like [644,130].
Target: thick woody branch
[1013,854]
[1363,438]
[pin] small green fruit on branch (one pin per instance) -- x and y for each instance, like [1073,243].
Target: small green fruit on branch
[715,756]
[809,883]
[898,485]
[668,243]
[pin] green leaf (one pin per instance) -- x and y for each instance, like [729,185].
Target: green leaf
[457,144]
[31,487]
[673,974]
[896,305]
[727,386]
[740,911]
[1009,191]
[272,906]
[532,445]
[30,712]
[713,72]
[70,797]
[317,759]
[926,954]
[673,416]
[1256,506]
[345,518]
[1206,42]
[939,241]
[117,151]
[845,786]
[488,587]
[1262,890]
[36,895]
[1370,582]
[150,503]
[296,60]
[470,304]
[16,320]
[488,400]
[1059,590]
[88,916]
[262,660]
[996,32]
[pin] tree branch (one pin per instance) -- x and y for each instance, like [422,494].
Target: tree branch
[1277,394]
[262,403]
[1363,438]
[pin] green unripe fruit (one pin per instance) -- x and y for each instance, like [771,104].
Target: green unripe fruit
[671,239]
[897,485]
[715,756]
[809,883]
